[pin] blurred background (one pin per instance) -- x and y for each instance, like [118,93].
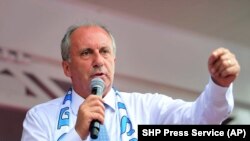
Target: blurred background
[162,47]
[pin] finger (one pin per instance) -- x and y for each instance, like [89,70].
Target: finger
[89,113]
[94,100]
[226,60]
[230,71]
[216,55]
[218,65]
[93,97]
[224,64]
[234,70]
[214,60]
[223,61]
[94,104]
[97,114]
[97,103]
[97,109]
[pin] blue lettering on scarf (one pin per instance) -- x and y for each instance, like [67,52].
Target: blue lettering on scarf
[125,121]
[64,112]
[63,121]
[67,97]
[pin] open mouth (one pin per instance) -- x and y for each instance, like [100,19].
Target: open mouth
[98,74]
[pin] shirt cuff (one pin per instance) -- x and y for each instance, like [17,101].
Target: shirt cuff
[221,94]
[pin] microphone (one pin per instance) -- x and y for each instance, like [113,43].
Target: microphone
[97,87]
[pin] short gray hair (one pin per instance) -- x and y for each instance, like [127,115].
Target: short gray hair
[66,44]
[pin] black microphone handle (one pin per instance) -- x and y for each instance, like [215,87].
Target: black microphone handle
[94,129]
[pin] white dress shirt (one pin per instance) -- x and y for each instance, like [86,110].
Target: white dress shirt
[211,107]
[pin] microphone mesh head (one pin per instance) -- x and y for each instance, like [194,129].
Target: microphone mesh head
[97,82]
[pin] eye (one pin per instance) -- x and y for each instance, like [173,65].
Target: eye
[86,52]
[105,51]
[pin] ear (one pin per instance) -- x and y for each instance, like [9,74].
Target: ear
[66,68]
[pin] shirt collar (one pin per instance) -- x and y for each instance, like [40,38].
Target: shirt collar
[77,100]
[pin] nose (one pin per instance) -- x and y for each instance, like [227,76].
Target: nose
[98,60]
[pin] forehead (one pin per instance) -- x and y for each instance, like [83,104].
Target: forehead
[88,33]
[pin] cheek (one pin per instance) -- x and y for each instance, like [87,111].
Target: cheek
[112,67]
[82,70]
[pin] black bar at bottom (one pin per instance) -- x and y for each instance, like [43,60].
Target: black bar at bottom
[223,132]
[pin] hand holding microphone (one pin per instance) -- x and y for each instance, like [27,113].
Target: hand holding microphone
[91,111]
[97,87]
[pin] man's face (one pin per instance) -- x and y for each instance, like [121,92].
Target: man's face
[91,55]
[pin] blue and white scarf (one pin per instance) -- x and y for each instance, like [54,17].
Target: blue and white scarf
[126,128]
[64,117]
